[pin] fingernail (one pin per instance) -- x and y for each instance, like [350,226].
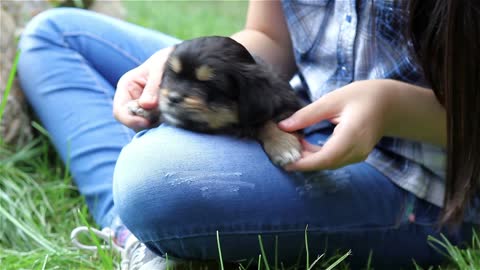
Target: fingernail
[151,97]
[148,97]
[286,123]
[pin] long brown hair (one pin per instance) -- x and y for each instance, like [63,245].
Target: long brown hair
[446,35]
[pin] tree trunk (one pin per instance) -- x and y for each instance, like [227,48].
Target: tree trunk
[15,125]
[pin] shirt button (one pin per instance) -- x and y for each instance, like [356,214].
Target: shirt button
[344,71]
[348,17]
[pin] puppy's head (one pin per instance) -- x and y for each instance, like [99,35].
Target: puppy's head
[213,84]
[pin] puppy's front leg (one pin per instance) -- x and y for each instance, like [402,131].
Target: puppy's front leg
[281,147]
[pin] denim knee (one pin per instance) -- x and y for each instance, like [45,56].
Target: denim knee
[174,189]
[164,178]
[138,185]
[169,177]
[50,22]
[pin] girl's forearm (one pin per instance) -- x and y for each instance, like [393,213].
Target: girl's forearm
[266,35]
[274,52]
[415,113]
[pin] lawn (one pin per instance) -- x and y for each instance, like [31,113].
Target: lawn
[39,205]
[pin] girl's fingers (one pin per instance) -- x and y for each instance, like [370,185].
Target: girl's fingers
[336,152]
[136,86]
[323,109]
[129,87]
[310,147]
[149,97]
[156,63]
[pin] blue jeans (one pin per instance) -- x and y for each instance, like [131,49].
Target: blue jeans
[174,189]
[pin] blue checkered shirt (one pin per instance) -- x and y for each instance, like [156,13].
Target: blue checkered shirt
[338,42]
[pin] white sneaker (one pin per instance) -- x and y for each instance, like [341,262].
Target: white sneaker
[135,255]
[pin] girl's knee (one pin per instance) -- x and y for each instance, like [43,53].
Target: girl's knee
[169,177]
[46,29]
[153,194]
[51,20]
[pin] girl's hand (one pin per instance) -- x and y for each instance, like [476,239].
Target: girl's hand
[363,112]
[140,83]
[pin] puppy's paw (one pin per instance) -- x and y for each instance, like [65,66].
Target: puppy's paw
[281,147]
[152,115]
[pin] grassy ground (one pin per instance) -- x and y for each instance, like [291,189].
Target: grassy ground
[188,19]
[39,206]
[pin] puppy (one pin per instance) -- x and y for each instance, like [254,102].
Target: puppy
[213,85]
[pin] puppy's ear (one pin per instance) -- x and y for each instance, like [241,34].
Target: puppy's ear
[257,101]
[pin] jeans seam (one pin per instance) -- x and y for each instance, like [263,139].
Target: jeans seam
[125,130]
[338,230]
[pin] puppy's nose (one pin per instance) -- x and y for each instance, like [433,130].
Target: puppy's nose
[175,97]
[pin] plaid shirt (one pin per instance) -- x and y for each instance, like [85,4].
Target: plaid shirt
[338,42]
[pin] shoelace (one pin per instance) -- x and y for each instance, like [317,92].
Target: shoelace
[106,234]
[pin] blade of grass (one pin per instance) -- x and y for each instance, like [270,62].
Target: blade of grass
[41,129]
[432,240]
[307,253]
[166,261]
[106,260]
[262,250]
[339,260]
[220,251]
[417,267]
[276,252]
[37,238]
[315,262]
[369,262]
[248,265]
[11,77]
[45,262]
[475,240]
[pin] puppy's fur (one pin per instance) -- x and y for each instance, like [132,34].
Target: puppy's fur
[213,85]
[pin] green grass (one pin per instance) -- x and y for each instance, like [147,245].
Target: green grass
[188,19]
[39,205]
[37,210]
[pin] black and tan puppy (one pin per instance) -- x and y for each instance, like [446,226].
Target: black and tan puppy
[213,85]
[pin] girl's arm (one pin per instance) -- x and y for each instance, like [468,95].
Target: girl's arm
[365,111]
[266,35]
